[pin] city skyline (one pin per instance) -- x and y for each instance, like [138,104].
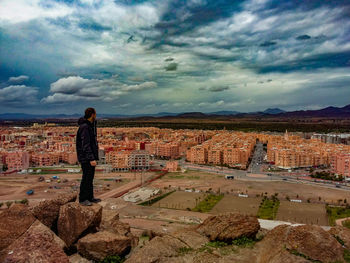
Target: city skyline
[141,57]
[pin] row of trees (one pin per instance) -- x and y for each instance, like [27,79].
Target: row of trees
[327,176]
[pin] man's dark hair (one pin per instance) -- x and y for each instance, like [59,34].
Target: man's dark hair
[89,112]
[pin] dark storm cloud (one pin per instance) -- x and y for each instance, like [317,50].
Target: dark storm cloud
[92,25]
[171,66]
[268,44]
[303,37]
[215,88]
[184,16]
[168,48]
[327,60]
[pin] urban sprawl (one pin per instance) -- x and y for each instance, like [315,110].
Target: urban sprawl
[125,149]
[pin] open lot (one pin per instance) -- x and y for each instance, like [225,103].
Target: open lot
[243,205]
[205,181]
[306,213]
[15,186]
[180,200]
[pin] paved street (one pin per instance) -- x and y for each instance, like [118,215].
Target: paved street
[257,159]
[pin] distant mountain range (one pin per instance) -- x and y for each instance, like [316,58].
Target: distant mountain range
[270,112]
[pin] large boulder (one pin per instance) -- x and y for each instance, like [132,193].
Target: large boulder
[229,226]
[299,244]
[76,220]
[13,223]
[38,244]
[111,223]
[342,233]
[99,245]
[191,238]
[47,211]
[158,250]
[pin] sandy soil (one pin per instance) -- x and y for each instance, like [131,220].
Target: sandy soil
[206,181]
[14,187]
[305,213]
[243,205]
[180,200]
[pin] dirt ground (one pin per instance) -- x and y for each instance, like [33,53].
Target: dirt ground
[209,181]
[305,213]
[180,200]
[15,186]
[243,205]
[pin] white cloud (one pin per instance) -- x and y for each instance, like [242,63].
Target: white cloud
[18,95]
[15,11]
[76,88]
[19,79]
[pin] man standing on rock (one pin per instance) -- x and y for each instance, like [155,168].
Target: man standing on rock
[87,151]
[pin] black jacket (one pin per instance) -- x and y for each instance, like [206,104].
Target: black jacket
[86,141]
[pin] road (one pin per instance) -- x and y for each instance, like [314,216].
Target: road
[126,187]
[257,159]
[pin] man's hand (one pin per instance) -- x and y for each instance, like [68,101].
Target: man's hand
[93,163]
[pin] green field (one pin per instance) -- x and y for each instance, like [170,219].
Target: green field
[268,208]
[337,212]
[208,203]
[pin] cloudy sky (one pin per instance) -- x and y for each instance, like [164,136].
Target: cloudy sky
[134,56]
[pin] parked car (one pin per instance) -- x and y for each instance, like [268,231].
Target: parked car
[30,192]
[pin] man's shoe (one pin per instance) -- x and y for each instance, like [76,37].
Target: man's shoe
[95,200]
[86,203]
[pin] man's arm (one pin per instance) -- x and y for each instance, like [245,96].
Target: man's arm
[85,142]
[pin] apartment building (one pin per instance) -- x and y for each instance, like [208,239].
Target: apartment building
[45,159]
[17,160]
[119,160]
[341,164]
[172,166]
[139,160]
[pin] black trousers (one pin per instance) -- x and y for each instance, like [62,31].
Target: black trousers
[86,184]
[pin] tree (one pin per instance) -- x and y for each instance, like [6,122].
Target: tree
[8,204]
[24,201]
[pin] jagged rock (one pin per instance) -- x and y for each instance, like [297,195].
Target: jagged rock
[229,226]
[99,245]
[13,223]
[343,233]
[110,222]
[109,216]
[47,211]
[190,237]
[116,226]
[296,244]
[76,258]
[75,220]
[38,244]
[158,249]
